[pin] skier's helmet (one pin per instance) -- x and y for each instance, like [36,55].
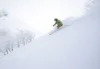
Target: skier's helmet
[55,19]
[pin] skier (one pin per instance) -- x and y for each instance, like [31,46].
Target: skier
[58,22]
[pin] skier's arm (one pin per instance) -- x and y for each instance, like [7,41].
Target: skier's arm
[54,24]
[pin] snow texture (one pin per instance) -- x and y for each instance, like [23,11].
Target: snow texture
[12,33]
[75,47]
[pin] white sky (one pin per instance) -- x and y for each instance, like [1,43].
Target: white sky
[39,14]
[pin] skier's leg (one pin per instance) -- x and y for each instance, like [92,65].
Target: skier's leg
[59,26]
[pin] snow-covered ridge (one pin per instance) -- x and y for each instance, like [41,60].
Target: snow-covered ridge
[12,33]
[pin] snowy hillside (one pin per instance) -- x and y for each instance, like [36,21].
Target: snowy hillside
[13,33]
[75,47]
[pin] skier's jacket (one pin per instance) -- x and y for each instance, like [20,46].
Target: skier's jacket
[58,22]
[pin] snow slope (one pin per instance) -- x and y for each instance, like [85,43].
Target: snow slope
[75,47]
[13,33]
